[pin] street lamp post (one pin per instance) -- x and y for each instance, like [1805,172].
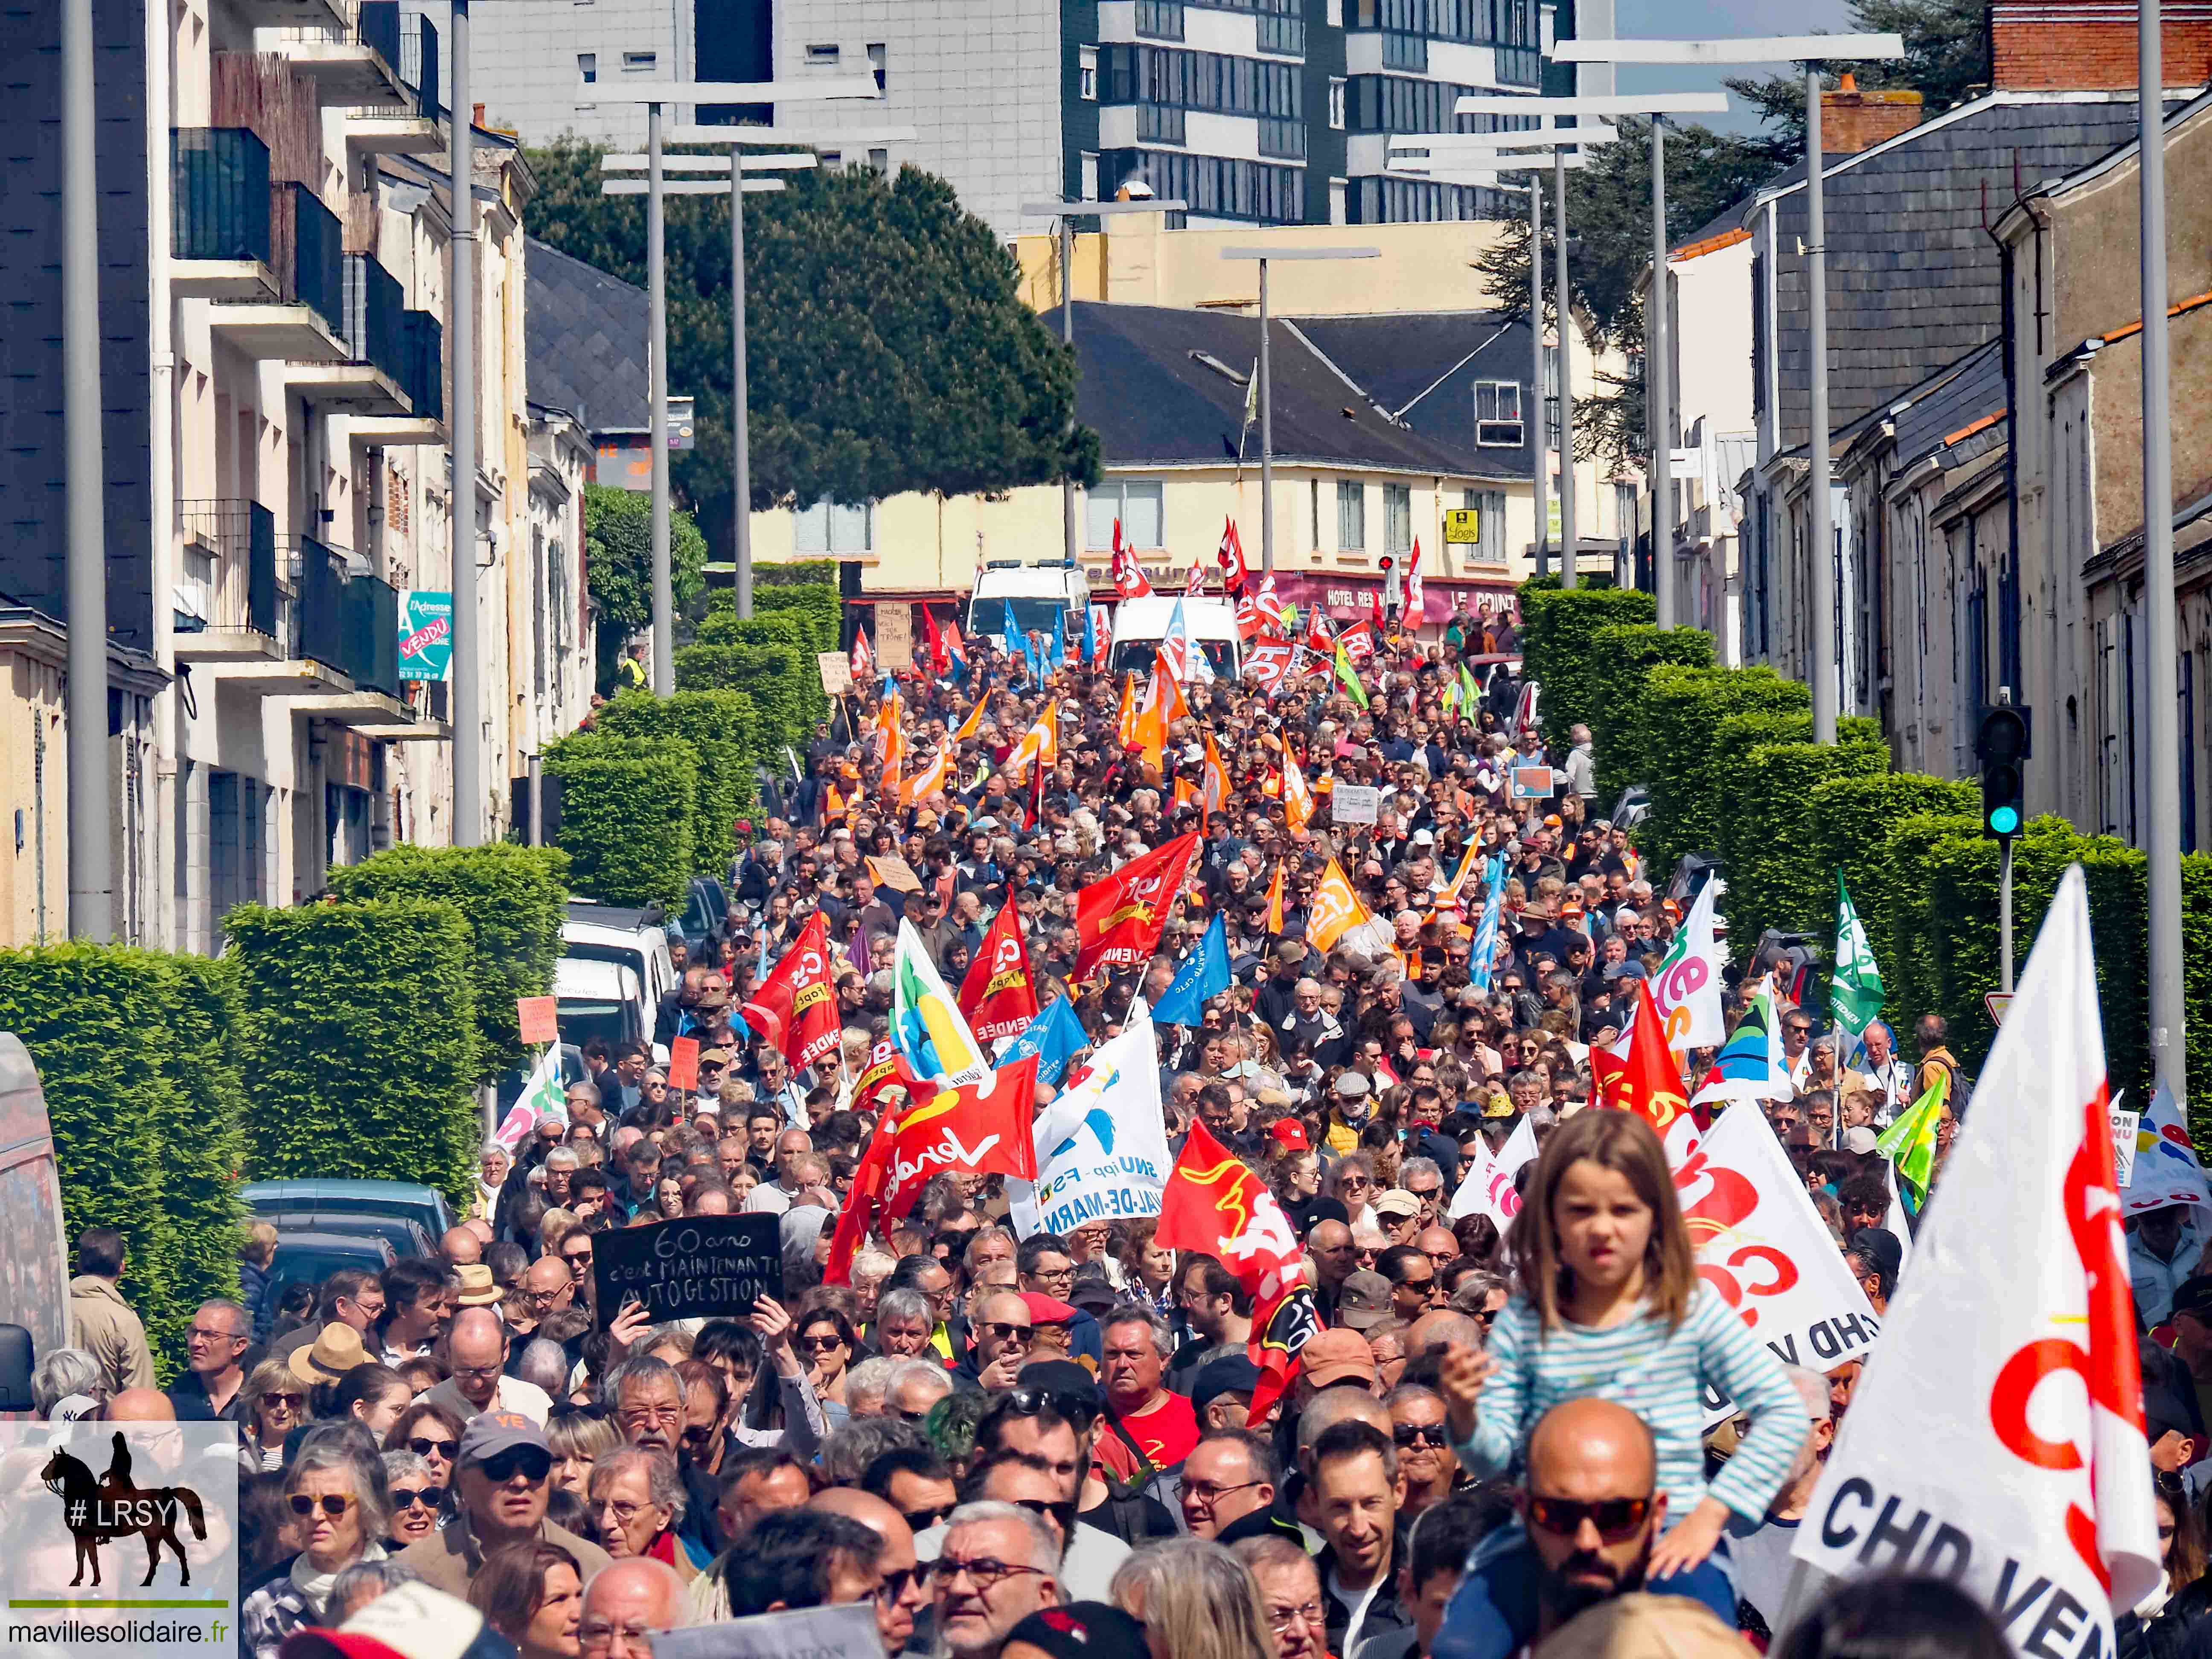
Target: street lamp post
[1769,49]
[656,96]
[1265,255]
[1584,107]
[2162,845]
[1066,213]
[461,338]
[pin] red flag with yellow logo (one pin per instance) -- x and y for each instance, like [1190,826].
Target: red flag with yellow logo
[999,997]
[1650,1084]
[979,1129]
[794,1009]
[1215,1204]
[1118,921]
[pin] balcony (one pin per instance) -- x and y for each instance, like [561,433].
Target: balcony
[219,240]
[291,14]
[348,633]
[420,374]
[298,315]
[413,129]
[243,610]
[366,380]
[353,61]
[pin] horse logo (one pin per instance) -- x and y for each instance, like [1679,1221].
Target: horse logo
[98,1511]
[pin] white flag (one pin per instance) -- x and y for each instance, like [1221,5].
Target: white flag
[1763,1246]
[1687,986]
[1487,1188]
[1996,1436]
[2167,1167]
[1101,1148]
[543,1098]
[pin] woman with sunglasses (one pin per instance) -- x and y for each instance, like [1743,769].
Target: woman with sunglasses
[418,1501]
[340,1500]
[433,1433]
[272,1404]
[1351,1184]
[825,1347]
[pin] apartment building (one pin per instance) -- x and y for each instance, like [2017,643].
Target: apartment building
[1253,111]
[275,228]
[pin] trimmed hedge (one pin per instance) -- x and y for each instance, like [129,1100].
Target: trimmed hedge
[627,809]
[816,605]
[783,683]
[1558,646]
[514,899]
[1620,655]
[136,1054]
[1682,715]
[1850,821]
[723,728]
[1785,885]
[362,1021]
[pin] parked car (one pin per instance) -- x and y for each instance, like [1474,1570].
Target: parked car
[403,1200]
[706,915]
[308,1258]
[628,938]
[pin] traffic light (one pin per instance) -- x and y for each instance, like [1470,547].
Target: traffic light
[2001,744]
[1389,593]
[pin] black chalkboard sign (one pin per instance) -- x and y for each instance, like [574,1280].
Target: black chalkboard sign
[693,1267]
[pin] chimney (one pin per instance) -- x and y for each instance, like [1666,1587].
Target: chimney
[1852,120]
[2089,46]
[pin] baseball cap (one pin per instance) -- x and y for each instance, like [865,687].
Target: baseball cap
[1232,1373]
[1396,1201]
[2194,1295]
[1860,1141]
[1647,1627]
[1362,1300]
[407,1621]
[1290,1135]
[1081,1630]
[491,1433]
[1338,1356]
[1063,1377]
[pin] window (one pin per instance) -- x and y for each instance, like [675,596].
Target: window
[1497,414]
[587,66]
[879,163]
[1336,103]
[833,527]
[1087,175]
[822,54]
[1086,74]
[1398,518]
[879,60]
[1137,503]
[1551,397]
[1489,525]
[640,63]
[1350,516]
[831,158]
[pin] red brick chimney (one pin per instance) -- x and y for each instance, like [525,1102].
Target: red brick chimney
[1852,120]
[2089,46]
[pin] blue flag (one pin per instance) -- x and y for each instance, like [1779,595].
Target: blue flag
[1014,638]
[1204,973]
[1484,948]
[1053,1036]
[1059,639]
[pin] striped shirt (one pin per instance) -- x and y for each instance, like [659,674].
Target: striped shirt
[1660,1376]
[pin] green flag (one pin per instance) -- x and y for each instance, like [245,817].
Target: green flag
[1345,673]
[1909,1143]
[1468,691]
[1855,991]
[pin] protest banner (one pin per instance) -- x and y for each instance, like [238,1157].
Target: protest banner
[1996,1436]
[2166,1170]
[889,869]
[836,672]
[1101,1148]
[1354,803]
[684,1063]
[701,1266]
[894,636]
[538,1020]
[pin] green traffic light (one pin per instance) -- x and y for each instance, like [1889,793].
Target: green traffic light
[2005,820]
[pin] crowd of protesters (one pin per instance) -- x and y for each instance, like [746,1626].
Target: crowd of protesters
[1034,1445]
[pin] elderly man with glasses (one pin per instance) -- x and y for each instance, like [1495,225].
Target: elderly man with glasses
[502,1480]
[999,1564]
[208,1391]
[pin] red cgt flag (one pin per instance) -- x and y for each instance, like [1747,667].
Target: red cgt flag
[1235,574]
[1118,922]
[1650,1084]
[794,1009]
[1130,582]
[999,997]
[979,1129]
[863,1203]
[1215,1204]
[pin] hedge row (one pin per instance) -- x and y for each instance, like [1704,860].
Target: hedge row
[1727,757]
[815,605]
[514,899]
[361,1023]
[627,807]
[1560,650]
[136,1054]
[723,728]
[782,681]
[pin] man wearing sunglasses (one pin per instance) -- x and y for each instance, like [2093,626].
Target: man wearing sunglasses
[502,1482]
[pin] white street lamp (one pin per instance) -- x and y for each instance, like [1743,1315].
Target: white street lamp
[1066,213]
[654,95]
[1267,379]
[1658,414]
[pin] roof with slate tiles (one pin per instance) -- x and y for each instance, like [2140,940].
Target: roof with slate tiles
[585,332]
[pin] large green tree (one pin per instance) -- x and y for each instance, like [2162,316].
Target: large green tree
[887,347]
[618,565]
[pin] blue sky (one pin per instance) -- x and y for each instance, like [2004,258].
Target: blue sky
[1710,19]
